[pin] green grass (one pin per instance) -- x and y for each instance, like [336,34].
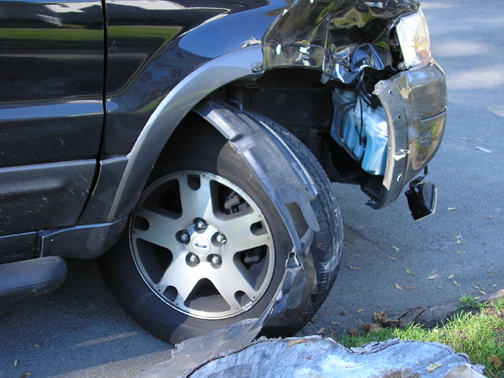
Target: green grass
[470,303]
[477,331]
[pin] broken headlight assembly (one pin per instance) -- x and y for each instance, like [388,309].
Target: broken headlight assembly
[414,40]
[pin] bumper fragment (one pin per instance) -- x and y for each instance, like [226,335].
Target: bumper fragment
[415,103]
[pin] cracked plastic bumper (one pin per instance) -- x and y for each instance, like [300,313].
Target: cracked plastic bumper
[415,103]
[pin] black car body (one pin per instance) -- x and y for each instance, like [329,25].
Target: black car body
[92,92]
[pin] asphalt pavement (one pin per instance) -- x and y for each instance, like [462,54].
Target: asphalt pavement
[389,261]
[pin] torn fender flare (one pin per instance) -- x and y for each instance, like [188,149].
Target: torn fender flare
[266,154]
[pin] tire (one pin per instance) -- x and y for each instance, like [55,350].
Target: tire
[322,264]
[205,246]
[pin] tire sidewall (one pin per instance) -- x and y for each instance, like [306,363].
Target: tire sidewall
[153,313]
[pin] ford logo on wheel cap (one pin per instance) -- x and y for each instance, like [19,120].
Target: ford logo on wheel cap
[200,244]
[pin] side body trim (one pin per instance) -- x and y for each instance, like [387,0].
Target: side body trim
[41,196]
[87,242]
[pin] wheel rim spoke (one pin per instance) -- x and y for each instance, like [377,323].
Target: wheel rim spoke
[180,276]
[239,234]
[161,231]
[231,282]
[195,203]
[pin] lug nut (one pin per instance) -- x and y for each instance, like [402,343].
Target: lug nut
[184,237]
[216,260]
[201,224]
[220,238]
[193,259]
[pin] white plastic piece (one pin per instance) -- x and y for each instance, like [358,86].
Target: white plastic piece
[364,133]
[376,134]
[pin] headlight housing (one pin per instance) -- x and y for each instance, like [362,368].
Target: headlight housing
[414,40]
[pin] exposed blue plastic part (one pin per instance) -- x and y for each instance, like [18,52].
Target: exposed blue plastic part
[361,130]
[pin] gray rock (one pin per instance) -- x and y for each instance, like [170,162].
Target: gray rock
[314,356]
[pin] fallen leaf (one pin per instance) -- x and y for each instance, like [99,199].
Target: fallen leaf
[480,140]
[409,287]
[432,277]
[15,363]
[353,268]
[320,331]
[487,134]
[444,250]
[36,345]
[451,276]
[491,217]
[460,253]
[482,292]
[51,303]
[463,138]
[439,287]
[392,258]
[370,327]
[456,283]
[495,361]
[398,287]
[433,367]
[409,271]
[326,313]
[458,237]
[451,208]
[458,241]
[397,249]
[296,341]
[380,316]
[478,287]
[353,331]
[343,312]
[308,358]
[25,375]
[335,323]
[361,310]
[314,318]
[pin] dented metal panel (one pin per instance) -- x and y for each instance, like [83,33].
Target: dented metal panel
[340,38]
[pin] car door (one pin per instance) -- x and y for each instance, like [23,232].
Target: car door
[51,111]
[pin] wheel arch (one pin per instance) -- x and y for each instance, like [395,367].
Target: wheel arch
[128,174]
[168,115]
[250,138]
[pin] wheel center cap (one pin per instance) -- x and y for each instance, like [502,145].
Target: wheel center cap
[200,244]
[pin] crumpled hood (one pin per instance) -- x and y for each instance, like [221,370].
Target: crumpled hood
[340,37]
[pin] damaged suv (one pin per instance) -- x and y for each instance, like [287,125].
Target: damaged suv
[190,146]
